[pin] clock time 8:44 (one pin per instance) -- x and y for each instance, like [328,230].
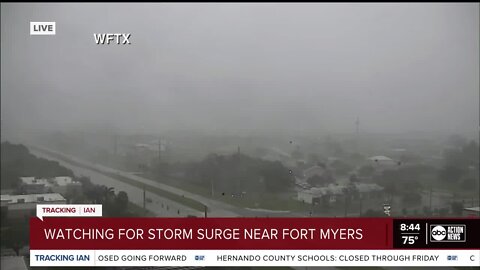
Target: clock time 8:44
[405,227]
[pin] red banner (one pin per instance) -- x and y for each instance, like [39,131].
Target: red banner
[211,233]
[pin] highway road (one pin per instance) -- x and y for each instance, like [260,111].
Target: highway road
[135,194]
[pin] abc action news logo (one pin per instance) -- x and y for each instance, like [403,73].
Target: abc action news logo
[448,233]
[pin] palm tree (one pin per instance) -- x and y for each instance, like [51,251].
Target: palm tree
[108,194]
[121,203]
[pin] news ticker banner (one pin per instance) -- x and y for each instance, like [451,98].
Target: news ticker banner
[96,241]
[255,258]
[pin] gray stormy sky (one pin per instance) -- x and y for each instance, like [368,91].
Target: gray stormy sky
[243,67]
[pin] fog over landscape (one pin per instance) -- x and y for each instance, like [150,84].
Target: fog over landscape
[241,110]
[243,68]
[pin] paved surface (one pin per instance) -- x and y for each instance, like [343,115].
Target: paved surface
[135,194]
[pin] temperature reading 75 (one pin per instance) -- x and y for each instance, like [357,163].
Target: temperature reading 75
[409,239]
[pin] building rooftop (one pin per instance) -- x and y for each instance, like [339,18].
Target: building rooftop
[34,181]
[64,180]
[339,189]
[59,181]
[331,189]
[473,209]
[380,158]
[363,187]
[31,198]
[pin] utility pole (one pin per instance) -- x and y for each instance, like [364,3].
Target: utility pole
[430,207]
[211,184]
[357,133]
[144,198]
[159,149]
[205,210]
[360,206]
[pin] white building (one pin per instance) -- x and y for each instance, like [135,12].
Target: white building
[64,185]
[316,170]
[333,193]
[330,193]
[24,206]
[32,185]
[382,162]
[366,190]
[60,184]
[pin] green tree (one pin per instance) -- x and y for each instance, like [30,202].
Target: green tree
[470,184]
[341,167]
[161,169]
[456,140]
[443,212]
[411,198]
[238,173]
[319,180]
[314,158]
[451,173]
[297,153]
[373,213]
[277,177]
[366,170]
[121,203]
[17,161]
[457,208]
[108,194]
[353,178]
[426,211]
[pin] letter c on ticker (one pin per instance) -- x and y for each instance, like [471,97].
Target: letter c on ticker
[472,258]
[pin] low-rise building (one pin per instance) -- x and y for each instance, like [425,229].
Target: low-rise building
[59,184]
[369,190]
[329,194]
[333,193]
[382,161]
[33,185]
[24,206]
[64,185]
[314,176]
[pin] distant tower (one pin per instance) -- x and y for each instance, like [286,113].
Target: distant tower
[238,150]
